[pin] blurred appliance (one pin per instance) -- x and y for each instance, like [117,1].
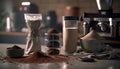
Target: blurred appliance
[28,7]
[50,21]
[106,23]
[25,7]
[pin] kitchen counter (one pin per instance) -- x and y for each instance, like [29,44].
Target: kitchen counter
[13,37]
[20,38]
[99,64]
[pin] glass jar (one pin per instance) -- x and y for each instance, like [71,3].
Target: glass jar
[70,34]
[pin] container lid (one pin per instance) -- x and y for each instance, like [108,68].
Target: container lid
[72,11]
[71,18]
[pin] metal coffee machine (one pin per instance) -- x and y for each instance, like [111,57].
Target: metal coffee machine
[105,22]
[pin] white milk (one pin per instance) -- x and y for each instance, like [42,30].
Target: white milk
[70,40]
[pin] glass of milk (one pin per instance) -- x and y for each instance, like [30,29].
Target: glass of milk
[70,34]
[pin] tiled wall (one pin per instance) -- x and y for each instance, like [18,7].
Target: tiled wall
[59,6]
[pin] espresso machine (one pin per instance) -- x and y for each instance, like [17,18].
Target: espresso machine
[105,22]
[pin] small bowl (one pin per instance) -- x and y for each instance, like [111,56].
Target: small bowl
[15,53]
[92,45]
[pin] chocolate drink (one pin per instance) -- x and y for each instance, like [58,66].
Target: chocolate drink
[69,40]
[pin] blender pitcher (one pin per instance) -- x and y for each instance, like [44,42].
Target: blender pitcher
[33,22]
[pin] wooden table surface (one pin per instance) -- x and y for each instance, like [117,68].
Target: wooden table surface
[13,33]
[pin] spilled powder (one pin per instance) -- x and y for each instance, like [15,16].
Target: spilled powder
[38,57]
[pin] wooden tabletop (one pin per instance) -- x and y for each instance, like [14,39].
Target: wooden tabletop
[25,34]
[13,33]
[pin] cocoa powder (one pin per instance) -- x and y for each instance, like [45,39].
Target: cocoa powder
[38,57]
